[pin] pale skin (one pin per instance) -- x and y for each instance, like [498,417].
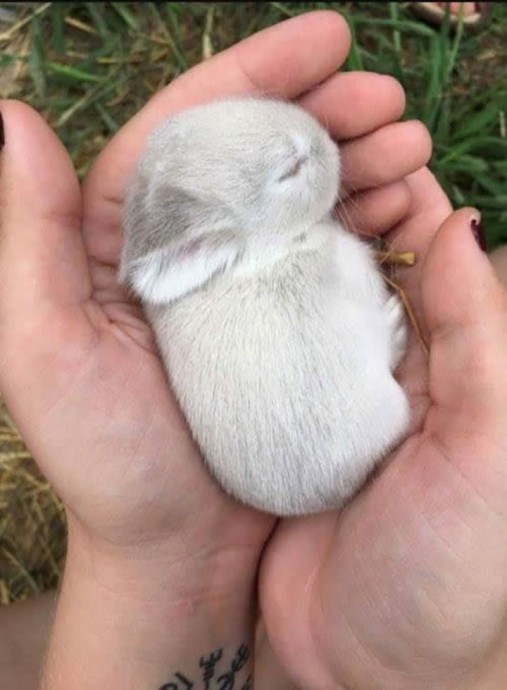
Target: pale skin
[406,588]
[467,8]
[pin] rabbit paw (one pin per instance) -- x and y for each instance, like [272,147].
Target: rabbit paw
[398,326]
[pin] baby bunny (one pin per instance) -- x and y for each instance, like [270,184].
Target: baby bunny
[277,331]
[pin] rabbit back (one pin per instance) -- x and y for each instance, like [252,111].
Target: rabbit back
[284,377]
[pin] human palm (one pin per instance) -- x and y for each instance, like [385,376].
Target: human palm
[87,388]
[407,587]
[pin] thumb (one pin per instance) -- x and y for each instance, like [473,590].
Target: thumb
[465,308]
[43,269]
[40,246]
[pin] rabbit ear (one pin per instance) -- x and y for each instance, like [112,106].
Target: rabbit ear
[175,243]
[164,275]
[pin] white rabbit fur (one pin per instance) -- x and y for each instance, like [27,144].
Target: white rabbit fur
[274,323]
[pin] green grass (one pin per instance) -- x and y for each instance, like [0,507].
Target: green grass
[90,66]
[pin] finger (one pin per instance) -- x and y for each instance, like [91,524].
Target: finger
[44,277]
[384,156]
[499,260]
[465,308]
[351,104]
[284,61]
[42,261]
[375,211]
[429,208]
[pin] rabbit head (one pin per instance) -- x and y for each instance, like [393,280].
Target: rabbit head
[213,180]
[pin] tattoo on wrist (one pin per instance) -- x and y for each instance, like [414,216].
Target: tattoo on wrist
[213,673]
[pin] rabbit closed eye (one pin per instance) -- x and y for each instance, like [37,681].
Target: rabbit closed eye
[273,322]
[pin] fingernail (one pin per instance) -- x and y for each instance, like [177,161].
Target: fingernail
[2,132]
[479,234]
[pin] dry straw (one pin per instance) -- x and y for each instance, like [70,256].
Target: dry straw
[395,258]
[32,527]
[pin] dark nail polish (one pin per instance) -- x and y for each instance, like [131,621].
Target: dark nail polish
[2,132]
[479,234]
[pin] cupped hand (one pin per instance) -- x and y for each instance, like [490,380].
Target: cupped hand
[407,587]
[78,365]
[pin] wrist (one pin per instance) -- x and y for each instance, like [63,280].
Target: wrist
[171,569]
[135,618]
